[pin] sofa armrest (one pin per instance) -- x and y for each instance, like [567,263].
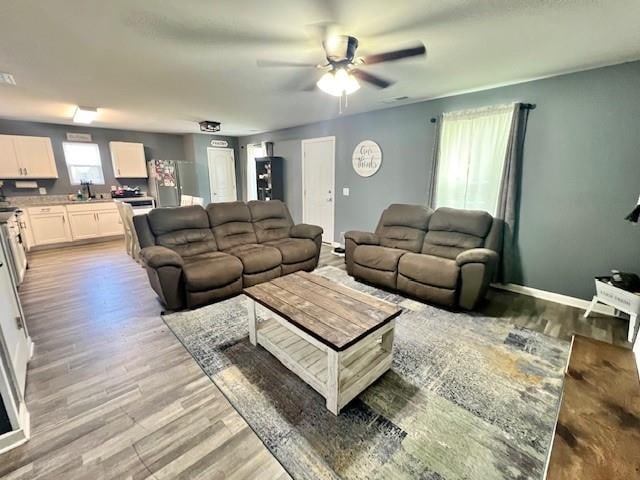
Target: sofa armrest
[362,238]
[477,255]
[157,256]
[304,230]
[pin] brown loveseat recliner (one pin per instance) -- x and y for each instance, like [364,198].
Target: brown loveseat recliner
[447,256]
[195,256]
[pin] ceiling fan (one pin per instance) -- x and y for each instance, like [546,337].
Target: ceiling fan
[344,68]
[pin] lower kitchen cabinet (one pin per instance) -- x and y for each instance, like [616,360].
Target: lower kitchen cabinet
[61,224]
[83,225]
[49,225]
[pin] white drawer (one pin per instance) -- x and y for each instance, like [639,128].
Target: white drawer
[46,210]
[91,207]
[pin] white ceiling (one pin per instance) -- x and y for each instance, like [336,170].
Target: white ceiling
[163,65]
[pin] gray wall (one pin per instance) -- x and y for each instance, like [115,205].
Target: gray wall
[157,145]
[581,171]
[195,150]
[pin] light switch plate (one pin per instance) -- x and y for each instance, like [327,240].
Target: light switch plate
[345,191]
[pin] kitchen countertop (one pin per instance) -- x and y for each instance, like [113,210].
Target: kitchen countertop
[6,216]
[55,200]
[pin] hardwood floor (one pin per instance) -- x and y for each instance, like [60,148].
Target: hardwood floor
[598,431]
[113,394]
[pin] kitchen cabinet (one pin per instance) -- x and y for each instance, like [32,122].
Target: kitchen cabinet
[26,157]
[128,160]
[94,220]
[83,225]
[9,167]
[49,225]
[69,223]
[15,351]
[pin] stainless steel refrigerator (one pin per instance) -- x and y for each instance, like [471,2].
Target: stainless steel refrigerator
[170,179]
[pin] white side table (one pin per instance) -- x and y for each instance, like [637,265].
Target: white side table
[622,300]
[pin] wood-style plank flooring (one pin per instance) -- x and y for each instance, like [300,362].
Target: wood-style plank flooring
[113,394]
[598,431]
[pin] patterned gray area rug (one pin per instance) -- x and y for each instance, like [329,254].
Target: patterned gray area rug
[468,397]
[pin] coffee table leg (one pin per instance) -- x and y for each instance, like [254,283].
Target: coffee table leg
[251,309]
[333,381]
[387,340]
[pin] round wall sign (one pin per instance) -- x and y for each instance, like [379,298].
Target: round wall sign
[367,158]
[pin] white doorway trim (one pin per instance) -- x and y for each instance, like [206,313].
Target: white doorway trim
[304,143]
[233,157]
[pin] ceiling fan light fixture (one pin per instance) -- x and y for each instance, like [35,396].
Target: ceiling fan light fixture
[338,83]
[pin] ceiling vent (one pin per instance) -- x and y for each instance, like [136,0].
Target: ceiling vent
[7,79]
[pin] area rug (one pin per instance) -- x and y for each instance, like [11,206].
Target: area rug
[468,396]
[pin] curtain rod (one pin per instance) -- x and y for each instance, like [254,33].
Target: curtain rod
[526,106]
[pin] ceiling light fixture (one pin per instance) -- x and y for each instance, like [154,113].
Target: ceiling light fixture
[338,83]
[85,115]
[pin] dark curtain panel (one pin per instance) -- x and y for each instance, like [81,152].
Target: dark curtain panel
[509,199]
[434,172]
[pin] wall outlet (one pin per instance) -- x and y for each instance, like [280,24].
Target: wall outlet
[345,191]
[42,190]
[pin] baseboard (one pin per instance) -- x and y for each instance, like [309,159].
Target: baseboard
[16,438]
[554,297]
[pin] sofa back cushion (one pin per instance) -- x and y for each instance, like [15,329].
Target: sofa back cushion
[231,224]
[271,219]
[403,226]
[182,229]
[452,231]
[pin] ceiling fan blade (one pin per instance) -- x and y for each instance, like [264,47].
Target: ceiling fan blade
[395,55]
[372,79]
[278,63]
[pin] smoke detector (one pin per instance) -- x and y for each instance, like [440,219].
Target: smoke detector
[7,79]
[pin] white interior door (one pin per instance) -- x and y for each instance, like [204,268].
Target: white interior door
[318,184]
[222,174]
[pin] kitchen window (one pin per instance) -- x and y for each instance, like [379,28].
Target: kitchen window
[83,163]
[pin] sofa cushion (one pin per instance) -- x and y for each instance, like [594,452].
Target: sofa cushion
[430,270]
[294,250]
[231,224]
[211,270]
[256,258]
[185,230]
[271,220]
[379,258]
[403,226]
[452,231]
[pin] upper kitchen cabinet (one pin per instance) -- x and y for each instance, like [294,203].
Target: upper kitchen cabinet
[23,157]
[128,160]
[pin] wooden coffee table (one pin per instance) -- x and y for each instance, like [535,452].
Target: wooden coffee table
[336,339]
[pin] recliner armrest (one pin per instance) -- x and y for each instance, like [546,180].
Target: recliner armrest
[157,256]
[362,238]
[304,230]
[477,255]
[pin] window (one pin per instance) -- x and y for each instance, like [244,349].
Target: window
[471,155]
[253,152]
[83,163]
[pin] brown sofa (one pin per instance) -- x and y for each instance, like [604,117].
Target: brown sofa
[194,256]
[447,256]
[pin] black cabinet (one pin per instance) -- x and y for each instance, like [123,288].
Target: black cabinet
[270,178]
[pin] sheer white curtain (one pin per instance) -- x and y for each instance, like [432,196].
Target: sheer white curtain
[471,157]
[253,151]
